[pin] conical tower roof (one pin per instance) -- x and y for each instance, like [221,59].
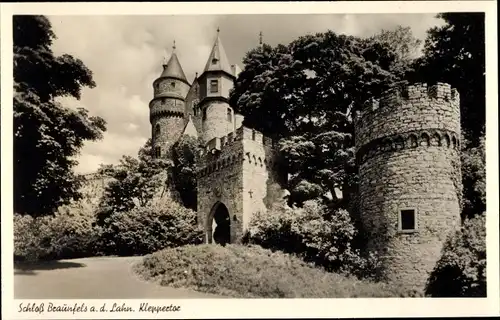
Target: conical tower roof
[173,69]
[218,61]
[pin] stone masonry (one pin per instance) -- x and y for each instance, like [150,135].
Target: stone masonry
[407,148]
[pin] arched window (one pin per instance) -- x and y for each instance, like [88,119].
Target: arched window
[157,130]
[229,115]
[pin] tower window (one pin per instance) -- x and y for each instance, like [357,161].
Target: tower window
[157,152]
[205,114]
[172,84]
[229,115]
[157,130]
[407,220]
[214,86]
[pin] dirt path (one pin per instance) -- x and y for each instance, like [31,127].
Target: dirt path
[91,278]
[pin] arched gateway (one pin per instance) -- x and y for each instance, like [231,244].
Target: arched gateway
[218,228]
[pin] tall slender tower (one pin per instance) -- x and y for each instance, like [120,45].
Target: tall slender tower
[217,79]
[167,108]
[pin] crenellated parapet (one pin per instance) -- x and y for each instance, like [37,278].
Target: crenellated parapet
[406,108]
[244,144]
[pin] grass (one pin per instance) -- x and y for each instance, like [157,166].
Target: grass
[251,272]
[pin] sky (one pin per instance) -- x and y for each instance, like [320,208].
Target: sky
[125,54]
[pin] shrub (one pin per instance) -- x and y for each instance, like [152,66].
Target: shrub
[313,233]
[251,272]
[461,271]
[144,230]
[68,234]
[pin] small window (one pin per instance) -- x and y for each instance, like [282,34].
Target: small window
[229,115]
[157,130]
[172,84]
[205,114]
[253,134]
[407,220]
[158,152]
[214,60]
[195,111]
[214,86]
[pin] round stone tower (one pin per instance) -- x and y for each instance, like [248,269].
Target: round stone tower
[167,108]
[407,149]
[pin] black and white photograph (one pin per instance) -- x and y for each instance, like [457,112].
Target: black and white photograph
[174,157]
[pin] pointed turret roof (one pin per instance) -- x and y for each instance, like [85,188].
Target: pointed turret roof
[218,61]
[173,69]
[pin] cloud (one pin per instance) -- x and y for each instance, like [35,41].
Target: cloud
[125,54]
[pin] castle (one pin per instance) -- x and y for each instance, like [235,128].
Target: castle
[237,174]
[407,146]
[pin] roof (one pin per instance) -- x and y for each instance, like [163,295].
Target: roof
[218,61]
[173,69]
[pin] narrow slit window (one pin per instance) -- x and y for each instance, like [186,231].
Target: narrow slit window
[205,114]
[229,115]
[407,220]
[157,130]
[214,86]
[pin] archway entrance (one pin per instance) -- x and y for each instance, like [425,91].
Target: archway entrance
[219,226]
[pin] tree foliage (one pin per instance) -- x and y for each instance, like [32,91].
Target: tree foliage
[474,179]
[47,135]
[306,93]
[461,271]
[185,154]
[455,54]
[314,232]
[134,182]
[147,229]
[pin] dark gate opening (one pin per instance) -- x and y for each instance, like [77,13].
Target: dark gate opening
[222,232]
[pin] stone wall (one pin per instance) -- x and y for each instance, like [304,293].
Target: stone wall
[237,170]
[217,123]
[407,147]
[220,179]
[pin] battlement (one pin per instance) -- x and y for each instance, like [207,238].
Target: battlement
[403,92]
[232,149]
[240,134]
[404,108]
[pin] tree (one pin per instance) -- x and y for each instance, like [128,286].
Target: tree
[185,154]
[455,54]
[405,46]
[461,270]
[134,182]
[474,179]
[47,135]
[305,94]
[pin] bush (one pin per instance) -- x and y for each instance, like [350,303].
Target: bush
[251,272]
[461,271]
[66,235]
[313,233]
[144,230]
